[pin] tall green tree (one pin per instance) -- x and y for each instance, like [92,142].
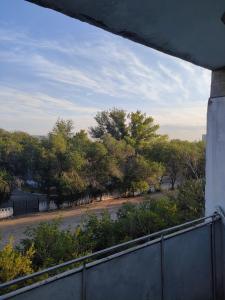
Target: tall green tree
[119,153]
[142,130]
[98,169]
[19,153]
[112,122]
[169,153]
[194,159]
[63,162]
[190,200]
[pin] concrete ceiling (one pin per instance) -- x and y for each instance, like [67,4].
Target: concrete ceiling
[193,30]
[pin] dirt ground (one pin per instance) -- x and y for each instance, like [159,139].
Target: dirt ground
[70,217]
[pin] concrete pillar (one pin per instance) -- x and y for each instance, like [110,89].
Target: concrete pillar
[215,145]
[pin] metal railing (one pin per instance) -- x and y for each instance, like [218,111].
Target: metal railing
[159,236]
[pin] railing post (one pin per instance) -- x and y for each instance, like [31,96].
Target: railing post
[84,282]
[162,266]
[213,261]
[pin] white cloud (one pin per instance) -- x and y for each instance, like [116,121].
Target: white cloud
[37,112]
[173,91]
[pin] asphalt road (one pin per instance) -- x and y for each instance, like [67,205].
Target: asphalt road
[70,218]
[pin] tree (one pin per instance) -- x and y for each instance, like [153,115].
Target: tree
[112,122]
[194,159]
[119,153]
[136,128]
[190,200]
[172,158]
[5,185]
[98,169]
[170,154]
[182,159]
[63,162]
[142,130]
[19,154]
[63,128]
[140,174]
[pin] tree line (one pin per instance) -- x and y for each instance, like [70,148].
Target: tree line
[123,153]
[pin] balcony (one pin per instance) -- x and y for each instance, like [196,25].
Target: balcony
[182,262]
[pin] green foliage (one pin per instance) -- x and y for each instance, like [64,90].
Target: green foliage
[5,185]
[132,221]
[145,218]
[63,163]
[18,153]
[127,156]
[136,128]
[191,200]
[51,245]
[97,233]
[47,245]
[63,128]
[142,130]
[182,159]
[13,263]
[140,174]
[112,122]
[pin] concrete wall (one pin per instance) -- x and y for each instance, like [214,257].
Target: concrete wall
[25,203]
[179,267]
[215,157]
[45,204]
[215,150]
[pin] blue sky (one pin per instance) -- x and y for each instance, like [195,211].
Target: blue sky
[53,66]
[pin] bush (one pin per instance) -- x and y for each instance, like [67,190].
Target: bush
[132,221]
[145,218]
[97,233]
[51,244]
[13,263]
[48,245]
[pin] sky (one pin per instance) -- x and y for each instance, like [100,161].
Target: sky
[52,66]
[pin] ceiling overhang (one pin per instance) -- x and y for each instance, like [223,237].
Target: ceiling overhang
[192,30]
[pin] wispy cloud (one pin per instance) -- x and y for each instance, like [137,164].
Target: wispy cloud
[37,112]
[173,91]
[14,100]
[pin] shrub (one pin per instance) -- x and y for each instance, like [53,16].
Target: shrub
[51,244]
[97,232]
[145,218]
[13,263]
[132,221]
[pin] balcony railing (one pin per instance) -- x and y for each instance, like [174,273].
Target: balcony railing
[181,262]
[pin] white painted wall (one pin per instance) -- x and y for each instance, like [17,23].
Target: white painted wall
[43,205]
[6,212]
